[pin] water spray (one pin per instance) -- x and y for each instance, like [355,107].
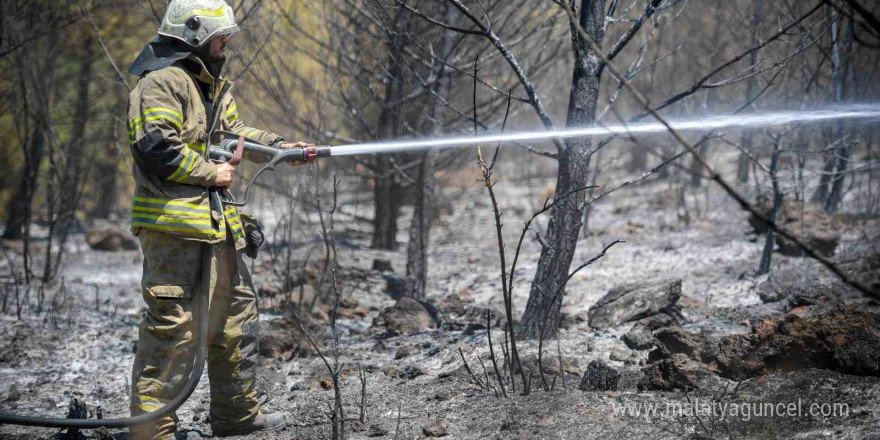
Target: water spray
[228,147]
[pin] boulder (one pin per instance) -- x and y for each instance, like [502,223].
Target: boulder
[845,341]
[599,377]
[680,372]
[550,362]
[641,336]
[111,238]
[406,317]
[631,302]
[862,258]
[816,228]
[781,282]
[674,340]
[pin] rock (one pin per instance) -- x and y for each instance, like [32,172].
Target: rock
[47,403]
[599,377]
[404,351]
[674,340]
[382,265]
[618,355]
[862,259]
[443,395]
[456,305]
[436,428]
[103,433]
[406,317]
[14,394]
[472,328]
[631,302]
[326,383]
[348,302]
[550,362]
[813,301]
[780,283]
[109,237]
[845,341]
[816,228]
[410,372]
[641,336]
[638,340]
[376,430]
[395,286]
[680,372]
[278,337]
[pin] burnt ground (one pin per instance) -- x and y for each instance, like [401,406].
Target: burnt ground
[79,344]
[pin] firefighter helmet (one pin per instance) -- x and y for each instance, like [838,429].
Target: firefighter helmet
[195,21]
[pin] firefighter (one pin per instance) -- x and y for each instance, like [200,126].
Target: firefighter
[190,247]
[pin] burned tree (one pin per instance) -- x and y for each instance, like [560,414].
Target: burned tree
[574,162]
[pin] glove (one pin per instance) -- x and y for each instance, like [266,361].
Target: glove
[253,235]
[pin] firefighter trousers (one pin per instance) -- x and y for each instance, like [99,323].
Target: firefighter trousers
[174,276]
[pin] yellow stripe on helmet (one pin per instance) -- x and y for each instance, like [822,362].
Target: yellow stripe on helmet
[219,12]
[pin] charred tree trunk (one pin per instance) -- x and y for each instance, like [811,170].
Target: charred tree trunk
[107,170]
[36,78]
[574,163]
[843,78]
[742,169]
[420,228]
[821,196]
[18,209]
[770,242]
[386,192]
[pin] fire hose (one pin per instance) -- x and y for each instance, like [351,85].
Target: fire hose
[230,151]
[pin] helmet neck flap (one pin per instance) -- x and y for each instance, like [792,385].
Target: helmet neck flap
[159,54]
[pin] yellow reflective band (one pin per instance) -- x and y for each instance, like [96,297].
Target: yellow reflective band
[172,202]
[237,233]
[189,167]
[196,147]
[182,171]
[146,398]
[232,109]
[164,109]
[168,118]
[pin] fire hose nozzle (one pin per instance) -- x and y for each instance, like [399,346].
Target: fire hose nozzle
[312,152]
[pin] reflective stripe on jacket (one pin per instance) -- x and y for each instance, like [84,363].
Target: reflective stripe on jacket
[168,131]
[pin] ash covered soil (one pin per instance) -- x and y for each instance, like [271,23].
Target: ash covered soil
[797,338]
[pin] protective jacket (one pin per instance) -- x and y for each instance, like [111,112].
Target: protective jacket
[172,112]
